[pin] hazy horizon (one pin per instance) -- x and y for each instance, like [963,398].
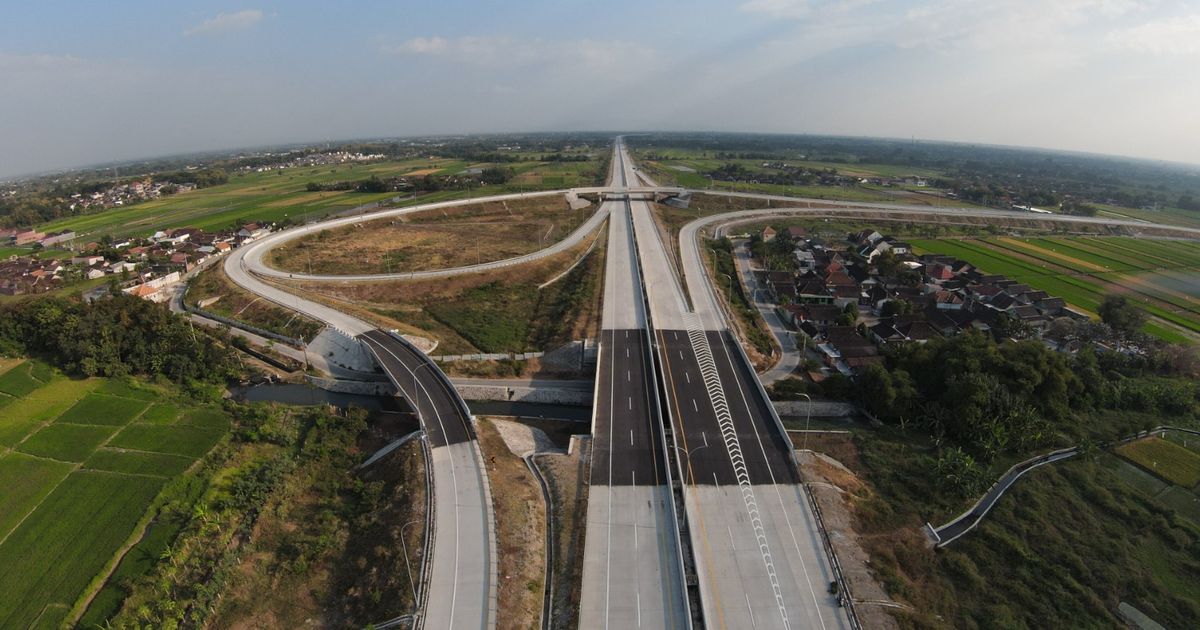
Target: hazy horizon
[134,80]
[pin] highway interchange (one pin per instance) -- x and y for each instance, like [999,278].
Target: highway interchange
[676,402]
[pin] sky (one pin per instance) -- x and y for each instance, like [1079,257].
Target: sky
[89,82]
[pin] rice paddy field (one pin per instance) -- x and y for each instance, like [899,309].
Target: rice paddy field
[81,463]
[1161,276]
[276,195]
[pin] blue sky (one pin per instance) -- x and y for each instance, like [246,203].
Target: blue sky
[85,82]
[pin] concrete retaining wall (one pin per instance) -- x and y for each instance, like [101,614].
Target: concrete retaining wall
[545,395]
[375,388]
[819,408]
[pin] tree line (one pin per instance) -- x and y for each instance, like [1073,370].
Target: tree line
[991,398]
[114,336]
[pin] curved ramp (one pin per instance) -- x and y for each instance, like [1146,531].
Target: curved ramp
[254,259]
[461,584]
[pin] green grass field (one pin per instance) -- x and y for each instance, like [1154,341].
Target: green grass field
[205,418]
[1109,275]
[66,442]
[51,557]
[103,409]
[1166,459]
[266,197]
[22,416]
[276,195]
[1182,501]
[67,504]
[137,462]
[19,380]
[26,481]
[172,440]
[160,413]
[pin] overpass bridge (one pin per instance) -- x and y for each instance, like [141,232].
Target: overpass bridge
[659,194]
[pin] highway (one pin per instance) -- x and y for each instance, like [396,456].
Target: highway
[756,545]
[461,584]
[632,572]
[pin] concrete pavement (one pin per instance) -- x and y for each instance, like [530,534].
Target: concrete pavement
[789,357]
[757,550]
[632,572]
[461,589]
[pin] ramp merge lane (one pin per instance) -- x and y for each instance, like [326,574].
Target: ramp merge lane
[461,585]
[461,591]
[632,572]
[758,555]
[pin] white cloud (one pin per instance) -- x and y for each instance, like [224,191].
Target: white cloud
[227,22]
[420,46]
[798,9]
[37,61]
[1178,35]
[503,51]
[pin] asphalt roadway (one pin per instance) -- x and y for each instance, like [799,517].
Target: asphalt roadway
[632,572]
[756,545]
[461,586]
[446,421]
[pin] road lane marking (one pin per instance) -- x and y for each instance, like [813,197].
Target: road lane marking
[751,609]
[631,437]
[453,477]
[691,473]
[704,437]
[695,406]
[689,378]
[741,386]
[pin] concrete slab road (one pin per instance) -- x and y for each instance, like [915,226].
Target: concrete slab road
[632,573]
[461,571]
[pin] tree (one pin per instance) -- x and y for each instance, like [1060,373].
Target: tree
[1123,316]
[887,264]
[896,307]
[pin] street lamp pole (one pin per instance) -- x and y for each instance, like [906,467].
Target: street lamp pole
[408,567]
[807,420]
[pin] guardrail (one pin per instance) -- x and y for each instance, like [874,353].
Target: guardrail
[195,310]
[1015,472]
[548,591]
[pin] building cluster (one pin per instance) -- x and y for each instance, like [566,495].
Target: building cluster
[917,299]
[146,267]
[316,159]
[10,237]
[123,194]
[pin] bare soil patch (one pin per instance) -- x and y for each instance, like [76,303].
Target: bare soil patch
[520,532]
[434,239]
[567,476]
[837,490]
[498,311]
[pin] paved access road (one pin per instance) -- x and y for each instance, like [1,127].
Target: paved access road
[757,550]
[632,572]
